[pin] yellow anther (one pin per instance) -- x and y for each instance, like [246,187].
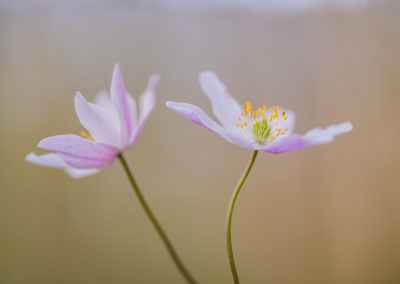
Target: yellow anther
[242,113]
[248,110]
[91,138]
[245,124]
[82,133]
[237,125]
[279,107]
[242,107]
[286,129]
[283,113]
[239,118]
[254,113]
[241,125]
[285,118]
[248,104]
[283,133]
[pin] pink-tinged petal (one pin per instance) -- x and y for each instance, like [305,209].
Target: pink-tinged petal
[54,161]
[119,97]
[79,152]
[147,102]
[286,144]
[102,125]
[196,115]
[313,137]
[226,109]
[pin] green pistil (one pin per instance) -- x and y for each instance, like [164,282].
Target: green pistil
[261,130]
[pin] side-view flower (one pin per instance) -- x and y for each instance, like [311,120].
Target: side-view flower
[266,129]
[112,126]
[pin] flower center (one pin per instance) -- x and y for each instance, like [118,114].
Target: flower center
[260,125]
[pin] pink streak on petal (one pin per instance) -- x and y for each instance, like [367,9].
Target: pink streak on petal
[54,161]
[226,109]
[196,115]
[79,152]
[147,102]
[286,144]
[120,100]
[98,121]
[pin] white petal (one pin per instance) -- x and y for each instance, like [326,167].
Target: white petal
[101,124]
[103,99]
[226,109]
[147,102]
[313,137]
[321,136]
[54,161]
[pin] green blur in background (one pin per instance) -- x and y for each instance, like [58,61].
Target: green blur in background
[327,214]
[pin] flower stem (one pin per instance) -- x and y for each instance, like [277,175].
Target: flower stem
[229,217]
[185,273]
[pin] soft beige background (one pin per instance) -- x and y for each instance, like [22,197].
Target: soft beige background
[327,214]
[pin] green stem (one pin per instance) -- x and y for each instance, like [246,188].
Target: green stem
[156,224]
[229,217]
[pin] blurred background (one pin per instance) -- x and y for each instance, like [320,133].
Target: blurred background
[327,214]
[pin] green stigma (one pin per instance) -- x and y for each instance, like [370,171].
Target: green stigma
[261,130]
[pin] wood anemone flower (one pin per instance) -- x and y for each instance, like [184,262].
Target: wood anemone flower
[112,125]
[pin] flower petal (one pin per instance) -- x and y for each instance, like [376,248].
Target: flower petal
[318,136]
[226,109]
[147,102]
[197,115]
[280,125]
[102,125]
[127,114]
[315,136]
[54,161]
[103,99]
[79,152]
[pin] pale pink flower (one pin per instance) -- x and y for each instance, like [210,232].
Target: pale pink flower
[113,126]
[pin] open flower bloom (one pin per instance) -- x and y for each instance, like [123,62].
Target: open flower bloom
[112,126]
[267,129]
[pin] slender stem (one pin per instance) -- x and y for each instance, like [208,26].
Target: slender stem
[229,217]
[156,224]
